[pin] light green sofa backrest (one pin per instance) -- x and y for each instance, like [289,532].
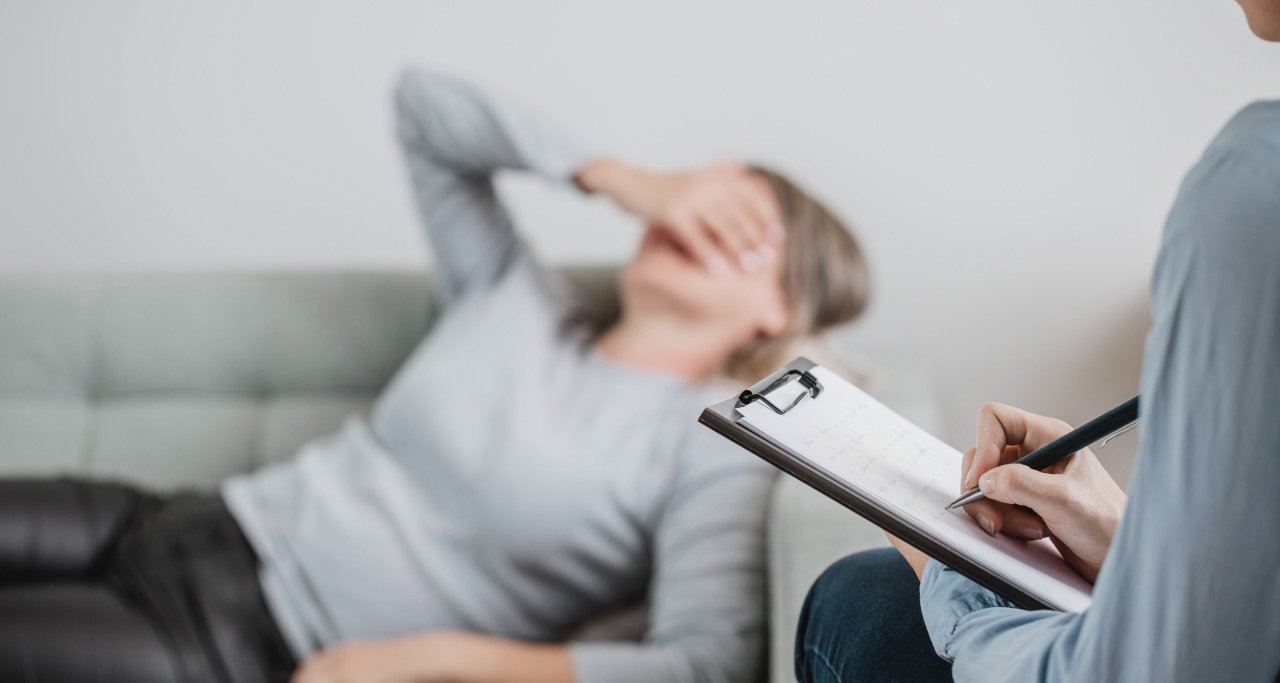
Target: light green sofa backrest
[179,379]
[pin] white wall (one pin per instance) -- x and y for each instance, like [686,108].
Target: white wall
[1008,163]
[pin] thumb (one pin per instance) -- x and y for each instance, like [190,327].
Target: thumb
[1020,485]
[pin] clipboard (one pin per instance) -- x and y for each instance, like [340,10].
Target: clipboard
[724,417]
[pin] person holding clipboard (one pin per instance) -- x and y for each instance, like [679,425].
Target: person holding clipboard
[1186,571]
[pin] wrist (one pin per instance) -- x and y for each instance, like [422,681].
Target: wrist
[459,657]
[628,186]
[439,657]
[456,655]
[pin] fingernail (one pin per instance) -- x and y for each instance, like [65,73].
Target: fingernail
[750,261]
[717,266]
[968,481]
[986,483]
[767,253]
[778,232]
[988,524]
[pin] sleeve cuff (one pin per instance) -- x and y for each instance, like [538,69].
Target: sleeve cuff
[570,156]
[946,597]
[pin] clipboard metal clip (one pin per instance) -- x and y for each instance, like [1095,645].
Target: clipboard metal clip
[806,379]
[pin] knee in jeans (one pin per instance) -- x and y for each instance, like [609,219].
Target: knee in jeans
[848,580]
[843,575]
[849,614]
[826,614]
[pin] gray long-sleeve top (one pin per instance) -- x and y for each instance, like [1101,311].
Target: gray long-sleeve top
[510,480]
[1191,588]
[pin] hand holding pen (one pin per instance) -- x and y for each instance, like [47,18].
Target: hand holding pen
[1073,501]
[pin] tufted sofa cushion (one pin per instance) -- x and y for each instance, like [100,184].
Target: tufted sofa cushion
[180,379]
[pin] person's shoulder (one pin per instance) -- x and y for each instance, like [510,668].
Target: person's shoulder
[1229,202]
[1224,229]
[1247,147]
[1256,128]
[1249,144]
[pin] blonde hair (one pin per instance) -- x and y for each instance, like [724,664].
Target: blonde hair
[824,277]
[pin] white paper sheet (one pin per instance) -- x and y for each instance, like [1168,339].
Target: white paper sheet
[855,439]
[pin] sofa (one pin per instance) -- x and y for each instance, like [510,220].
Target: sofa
[178,379]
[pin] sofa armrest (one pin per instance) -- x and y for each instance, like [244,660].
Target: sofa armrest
[807,531]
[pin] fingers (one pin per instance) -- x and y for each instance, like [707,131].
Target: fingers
[1002,518]
[719,236]
[1006,433]
[996,517]
[691,233]
[983,512]
[737,226]
[987,514]
[965,463]
[738,212]
[725,226]
[1049,495]
[998,427]
[756,197]
[1001,426]
[753,231]
[1023,523]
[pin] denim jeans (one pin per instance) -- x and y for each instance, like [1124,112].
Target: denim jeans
[861,622]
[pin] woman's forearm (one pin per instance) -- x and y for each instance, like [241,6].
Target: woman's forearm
[614,179]
[439,657]
[483,659]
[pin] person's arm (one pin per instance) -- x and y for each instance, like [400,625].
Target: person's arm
[706,598]
[706,604]
[1189,590]
[440,657]
[455,137]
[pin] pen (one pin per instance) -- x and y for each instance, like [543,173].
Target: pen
[1114,422]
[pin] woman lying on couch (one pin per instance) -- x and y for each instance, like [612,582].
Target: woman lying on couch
[518,476]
